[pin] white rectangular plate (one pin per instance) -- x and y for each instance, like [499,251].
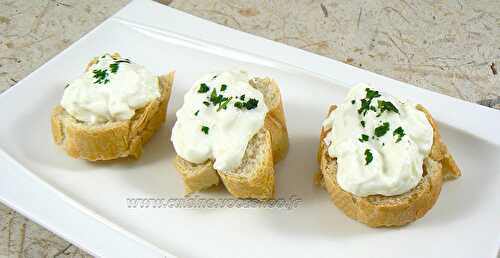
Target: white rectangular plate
[86,202]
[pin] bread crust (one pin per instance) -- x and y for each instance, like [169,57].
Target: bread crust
[275,123]
[261,183]
[386,211]
[112,140]
[196,177]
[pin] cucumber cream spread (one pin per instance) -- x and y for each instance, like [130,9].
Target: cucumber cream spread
[379,141]
[221,113]
[110,90]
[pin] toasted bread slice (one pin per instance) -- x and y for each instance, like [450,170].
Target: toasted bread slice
[111,140]
[254,177]
[383,211]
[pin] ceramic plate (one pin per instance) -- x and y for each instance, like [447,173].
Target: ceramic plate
[86,203]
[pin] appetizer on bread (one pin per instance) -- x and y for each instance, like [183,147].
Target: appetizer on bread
[232,129]
[111,110]
[382,159]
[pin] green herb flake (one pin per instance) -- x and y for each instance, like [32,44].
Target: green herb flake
[215,98]
[386,106]
[371,94]
[382,130]
[365,106]
[101,76]
[364,138]
[196,113]
[353,101]
[223,87]
[206,103]
[203,88]
[399,132]
[242,97]
[238,104]
[363,123]
[205,129]
[251,104]
[113,67]
[366,102]
[223,105]
[368,156]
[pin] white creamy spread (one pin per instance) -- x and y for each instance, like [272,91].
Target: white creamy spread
[110,90]
[379,141]
[221,113]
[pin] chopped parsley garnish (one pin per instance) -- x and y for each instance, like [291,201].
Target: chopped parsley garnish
[215,76]
[216,98]
[196,113]
[223,105]
[364,138]
[353,101]
[399,132]
[366,102]
[203,88]
[219,99]
[101,76]
[368,156]
[238,105]
[381,130]
[205,129]
[371,94]
[365,106]
[221,102]
[386,106]
[251,103]
[113,67]
[363,123]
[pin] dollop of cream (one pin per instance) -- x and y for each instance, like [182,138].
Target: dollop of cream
[110,90]
[220,114]
[396,163]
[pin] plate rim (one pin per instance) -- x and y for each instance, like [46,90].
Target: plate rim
[279,52]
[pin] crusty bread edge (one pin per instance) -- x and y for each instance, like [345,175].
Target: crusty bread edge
[203,176]
[275,123]
[409,206]
[260,185]
[114,139]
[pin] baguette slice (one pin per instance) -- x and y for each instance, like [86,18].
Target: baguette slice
[254,177]
[111,140]
[385,211]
